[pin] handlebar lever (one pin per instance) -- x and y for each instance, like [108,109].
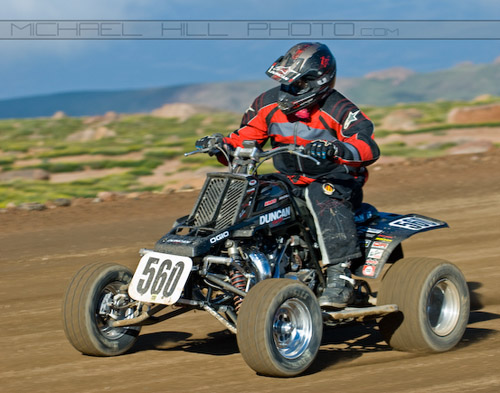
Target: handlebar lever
[197,151]
[190,153]
[305,156]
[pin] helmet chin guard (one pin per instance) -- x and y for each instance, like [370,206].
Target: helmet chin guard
[306,73]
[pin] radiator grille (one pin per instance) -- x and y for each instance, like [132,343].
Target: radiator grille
[219,204]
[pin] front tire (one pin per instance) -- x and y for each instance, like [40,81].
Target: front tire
[434,304]
[86,311]
[279,328]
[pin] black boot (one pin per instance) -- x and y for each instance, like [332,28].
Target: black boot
[339,289]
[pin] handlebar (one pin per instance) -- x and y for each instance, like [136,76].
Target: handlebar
[261,154]
[251,155]
[295,150]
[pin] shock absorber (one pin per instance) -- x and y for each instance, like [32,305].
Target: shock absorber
[239,281]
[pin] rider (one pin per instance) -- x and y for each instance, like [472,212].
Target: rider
[306,110]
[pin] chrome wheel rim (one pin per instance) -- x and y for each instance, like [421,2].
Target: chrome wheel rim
[104,308]
[443,307]
[292,328]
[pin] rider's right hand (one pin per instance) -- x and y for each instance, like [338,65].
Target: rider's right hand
[209,141]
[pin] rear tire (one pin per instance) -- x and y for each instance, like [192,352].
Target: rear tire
[279,328]
[433,301]
[84,312]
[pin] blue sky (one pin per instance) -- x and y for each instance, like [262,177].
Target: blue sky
[40,67]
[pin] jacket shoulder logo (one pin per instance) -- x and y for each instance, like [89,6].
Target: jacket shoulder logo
[353,116]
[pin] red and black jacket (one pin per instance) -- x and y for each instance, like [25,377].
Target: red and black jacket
[336,119]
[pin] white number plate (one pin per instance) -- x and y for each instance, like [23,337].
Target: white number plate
[160,278]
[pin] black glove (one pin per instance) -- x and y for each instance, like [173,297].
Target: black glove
[322,149]
[210,141]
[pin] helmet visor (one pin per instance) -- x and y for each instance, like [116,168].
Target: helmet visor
[296,88]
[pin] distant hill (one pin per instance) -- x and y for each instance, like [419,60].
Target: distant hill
[462,82]
[231,96]
[379,88]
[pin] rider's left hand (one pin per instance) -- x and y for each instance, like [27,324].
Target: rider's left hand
[322,149]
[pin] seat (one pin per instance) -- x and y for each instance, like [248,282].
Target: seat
[365,213]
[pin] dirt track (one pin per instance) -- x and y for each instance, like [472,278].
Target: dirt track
[40,251]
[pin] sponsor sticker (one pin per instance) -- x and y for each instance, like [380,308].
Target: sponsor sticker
[379,244]
[387,239]
[371,262]
[219,237]
[369,233]
[270,202]
[180,241]
[275,217]
[375,253]
[328,189]
[369,270]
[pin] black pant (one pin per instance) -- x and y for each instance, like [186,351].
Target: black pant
[332,203]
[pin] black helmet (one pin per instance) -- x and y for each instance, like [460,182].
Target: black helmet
[305,73]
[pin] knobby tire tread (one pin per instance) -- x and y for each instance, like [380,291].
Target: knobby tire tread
[73,302]
[403,284]
[253,355]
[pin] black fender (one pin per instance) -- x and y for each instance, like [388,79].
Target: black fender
[380,239]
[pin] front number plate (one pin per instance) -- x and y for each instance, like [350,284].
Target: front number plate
[160,278]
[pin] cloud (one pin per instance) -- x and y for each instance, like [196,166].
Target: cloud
[62,65]
[63,9]
[222,9]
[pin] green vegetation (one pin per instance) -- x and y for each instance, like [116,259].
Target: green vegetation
[55,144]
[46,139]
[59,167]
[40,191]
[401,149]
[4,161]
